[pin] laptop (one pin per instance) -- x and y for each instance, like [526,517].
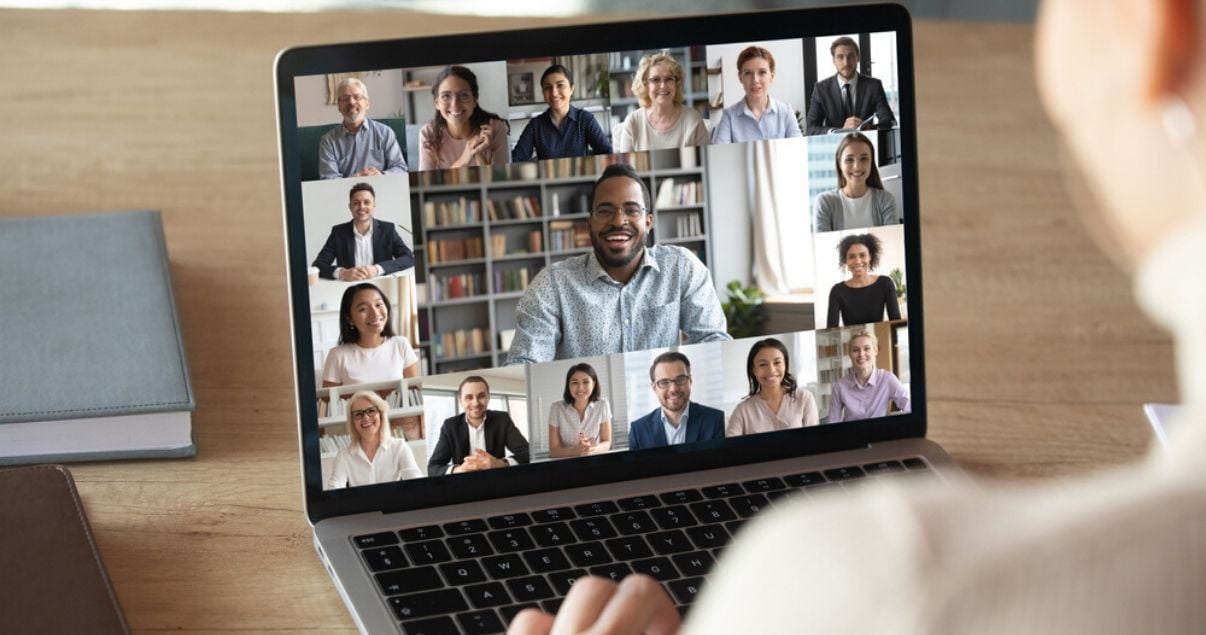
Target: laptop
[584,299]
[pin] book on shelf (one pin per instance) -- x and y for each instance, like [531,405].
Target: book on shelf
[453,249]
[566,234]
[511,280]
[459,343]
[455,286]
[687,225]
[516,208]
[462,211]
[454,176]
[677,193]
[92,391]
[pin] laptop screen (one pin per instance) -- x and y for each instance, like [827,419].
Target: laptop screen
[561,257]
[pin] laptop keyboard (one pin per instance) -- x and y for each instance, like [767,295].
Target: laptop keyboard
[473,576]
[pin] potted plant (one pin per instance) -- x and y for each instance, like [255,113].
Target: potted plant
[897,277]
[745,310]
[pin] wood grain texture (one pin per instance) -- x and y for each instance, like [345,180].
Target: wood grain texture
[1038,359]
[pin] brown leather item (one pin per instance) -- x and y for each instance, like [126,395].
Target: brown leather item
[52,579]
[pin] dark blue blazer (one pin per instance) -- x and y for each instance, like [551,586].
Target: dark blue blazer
[389,250]
[703,423]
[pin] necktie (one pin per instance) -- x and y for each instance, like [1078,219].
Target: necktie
[849,102]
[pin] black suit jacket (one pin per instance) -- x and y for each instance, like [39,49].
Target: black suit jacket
[826,112]
[453,446]
[389,250]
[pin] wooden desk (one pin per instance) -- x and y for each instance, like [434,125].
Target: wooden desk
[1038,359]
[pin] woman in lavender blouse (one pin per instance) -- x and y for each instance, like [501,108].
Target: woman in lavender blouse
[865,391]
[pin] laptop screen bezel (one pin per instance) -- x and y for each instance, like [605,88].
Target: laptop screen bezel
[569,40]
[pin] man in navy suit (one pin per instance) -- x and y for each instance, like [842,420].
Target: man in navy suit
[364,247]
[477,439]
[679,420]
[846,100]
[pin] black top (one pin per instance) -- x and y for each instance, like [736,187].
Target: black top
[863,306]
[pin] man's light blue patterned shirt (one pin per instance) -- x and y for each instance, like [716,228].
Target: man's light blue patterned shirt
[574,309]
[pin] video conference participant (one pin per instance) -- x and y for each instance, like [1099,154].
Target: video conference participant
[368,350]
[621,297]
[775,401]
[461,132]
[477,439]
[679,420]
[358,146]
[662,121]
[363,247]
[562,130]
[860,199]
[758,116]
[864,297]
[373,454]
[580,424]
[865,391]
[848,99]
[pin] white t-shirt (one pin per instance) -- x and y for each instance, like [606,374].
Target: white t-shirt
[393,462]
[354,364]
[857,212]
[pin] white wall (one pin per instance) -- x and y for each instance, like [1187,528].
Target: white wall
[788,86]
[729,215]
[325,204]
[829,273]
[386,98]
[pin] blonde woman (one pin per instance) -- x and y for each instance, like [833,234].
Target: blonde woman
[372,455]
[662,121]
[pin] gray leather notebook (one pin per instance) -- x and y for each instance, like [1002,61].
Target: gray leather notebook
[94,364]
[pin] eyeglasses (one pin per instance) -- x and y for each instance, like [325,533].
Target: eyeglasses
[463,96]
[370,412]
[604,213]
[662,81]
[680,381]
[343,99]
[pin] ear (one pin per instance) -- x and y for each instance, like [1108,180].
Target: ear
[1170,43]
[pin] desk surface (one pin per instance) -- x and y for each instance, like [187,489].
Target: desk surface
[1038,359]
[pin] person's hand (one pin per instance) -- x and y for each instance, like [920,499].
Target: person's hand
[351,274]
[638,604]
[480,460]
[370,171]
[852,122]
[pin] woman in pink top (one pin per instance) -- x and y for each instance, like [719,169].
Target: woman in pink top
[775,401]
[461,132]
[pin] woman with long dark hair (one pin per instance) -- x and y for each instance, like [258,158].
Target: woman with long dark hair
[461,132]
[368,349]
[775,400]
[580,424]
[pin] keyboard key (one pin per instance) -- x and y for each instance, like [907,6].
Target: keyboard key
[783,493]
[417,605]
[464,572]
[553,534]
[636,522]
[546,560]
[552,515]
[552,606]
[673,517]
[600,508]
[668,542]
[726,490]
[588,554]
[820,487]
[431,626]
[658,568]
[747,506]
[768,484]
[505,566]
[481,622]
[685,591]
[384,558]
[376,540]
[639,502]
[509,612]
[430,552]
[593,528]
[530,588]
[708,536]
[460,528]
[916,463]
[844,473]
[510,521]
[427,532]
[615,571]
[716,511]
[471,546]
[563,580]
[884,467]
[694,564]
[681,496]
[629,548]
[804,480]
[486,595]
[409,581]
[509,540]
[734,526]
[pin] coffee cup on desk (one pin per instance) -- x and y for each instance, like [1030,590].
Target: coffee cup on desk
[313,275]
